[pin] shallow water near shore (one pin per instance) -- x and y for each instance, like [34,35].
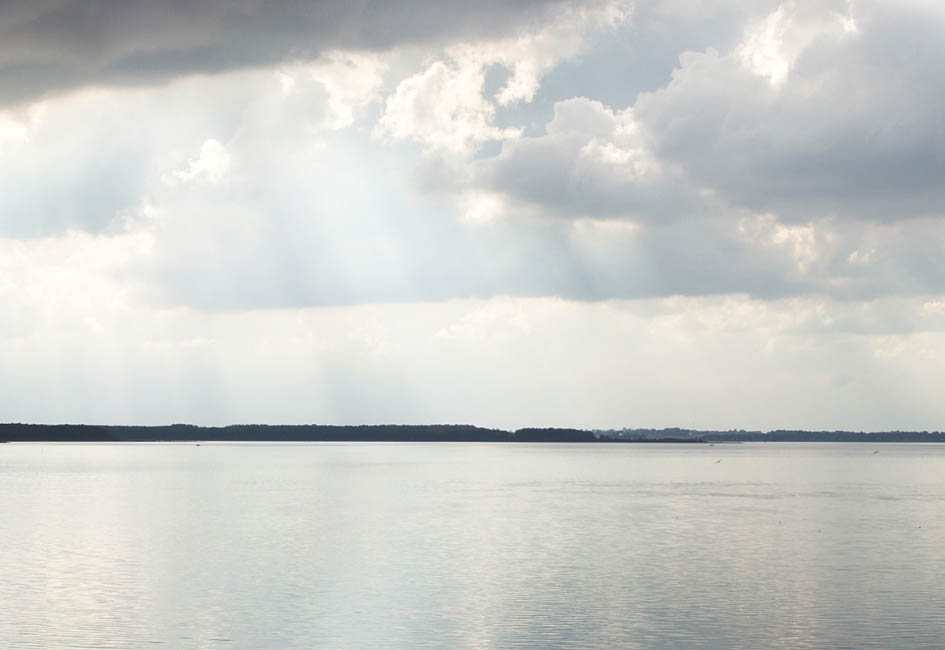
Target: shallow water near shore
[451,545]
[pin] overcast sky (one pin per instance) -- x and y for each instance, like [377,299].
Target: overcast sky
[595,213]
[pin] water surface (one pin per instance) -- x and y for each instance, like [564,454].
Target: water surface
[449,545]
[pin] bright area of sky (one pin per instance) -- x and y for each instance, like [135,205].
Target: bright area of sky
[588,213]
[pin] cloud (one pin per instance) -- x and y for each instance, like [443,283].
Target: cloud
[443,108]
[823,110]
[268,188]
[93,159]
[86,352]
[53,45]
[446,107]
[591,161]
[791,164]
[257,201]
[375,213]
[61,172]
[352,80]
[816,113]
[210,166]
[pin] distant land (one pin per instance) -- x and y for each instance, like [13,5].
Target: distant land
[16,432]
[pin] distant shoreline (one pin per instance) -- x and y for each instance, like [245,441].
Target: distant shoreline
[18,432]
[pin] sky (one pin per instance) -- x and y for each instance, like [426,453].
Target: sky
[591,213]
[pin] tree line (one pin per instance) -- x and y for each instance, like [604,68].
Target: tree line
[19,432]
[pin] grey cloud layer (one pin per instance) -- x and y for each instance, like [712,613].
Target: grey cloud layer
[827,181]
[853,130]
[806,119]
[52,45]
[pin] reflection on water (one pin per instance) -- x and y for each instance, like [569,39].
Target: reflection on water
[472,546]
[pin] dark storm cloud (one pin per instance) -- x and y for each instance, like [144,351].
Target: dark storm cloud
[52,45]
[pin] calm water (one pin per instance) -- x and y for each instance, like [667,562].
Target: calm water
[472,546]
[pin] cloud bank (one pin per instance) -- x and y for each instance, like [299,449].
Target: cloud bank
[53,45]
[758,182]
